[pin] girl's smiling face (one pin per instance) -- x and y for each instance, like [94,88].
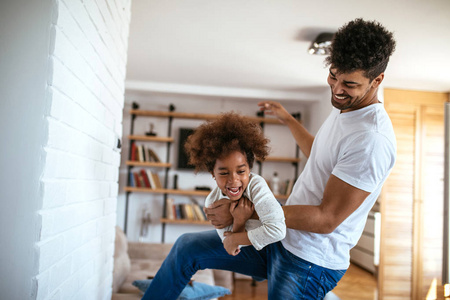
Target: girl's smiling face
[232,174]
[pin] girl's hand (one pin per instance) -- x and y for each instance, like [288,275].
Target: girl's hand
[241,210]
[230,245]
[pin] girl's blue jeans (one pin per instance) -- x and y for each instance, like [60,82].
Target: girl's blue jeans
[289,277]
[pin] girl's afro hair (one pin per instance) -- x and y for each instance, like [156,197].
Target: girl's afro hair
[217,138]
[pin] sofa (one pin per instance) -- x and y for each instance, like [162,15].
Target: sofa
[138,261]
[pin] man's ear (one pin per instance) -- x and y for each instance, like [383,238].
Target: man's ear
[212,174]
[378,80]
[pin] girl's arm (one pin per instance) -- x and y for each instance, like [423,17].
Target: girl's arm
[270,212]
[241,211]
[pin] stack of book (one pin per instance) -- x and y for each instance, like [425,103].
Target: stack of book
[184,211]
[143,154]
[145,179]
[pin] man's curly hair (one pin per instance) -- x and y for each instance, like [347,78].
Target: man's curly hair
[217,138]
[361,45]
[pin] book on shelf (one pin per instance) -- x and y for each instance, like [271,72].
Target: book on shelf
[144,175]
[170,212]
[142,153]
[153,156]
[145,179]
[178,215]
[151,179]
[184,211]
[136,181]
[141,180]
[199,213]
[131,182]
[133,151]
[289,186]
[155,182]
[198,209]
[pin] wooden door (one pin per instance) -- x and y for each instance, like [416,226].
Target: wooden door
[432,191]
[412,197]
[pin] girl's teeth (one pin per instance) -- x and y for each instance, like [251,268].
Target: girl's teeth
[234,191]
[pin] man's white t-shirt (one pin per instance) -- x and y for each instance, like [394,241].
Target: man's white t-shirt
[358,147]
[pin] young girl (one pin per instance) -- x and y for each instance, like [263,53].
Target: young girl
[227,148]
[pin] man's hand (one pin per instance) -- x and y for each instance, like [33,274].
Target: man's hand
[230,244]
[276,109]
[218,213]
[302,137]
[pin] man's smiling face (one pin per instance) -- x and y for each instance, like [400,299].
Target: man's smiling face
[352,91]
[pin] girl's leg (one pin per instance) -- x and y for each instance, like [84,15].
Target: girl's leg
[290,277]
[198,251]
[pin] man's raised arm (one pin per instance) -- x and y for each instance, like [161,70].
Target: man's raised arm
[303,138]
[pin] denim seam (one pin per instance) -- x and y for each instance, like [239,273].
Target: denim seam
[307,282]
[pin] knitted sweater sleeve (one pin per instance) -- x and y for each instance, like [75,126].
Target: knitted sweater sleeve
[271,216]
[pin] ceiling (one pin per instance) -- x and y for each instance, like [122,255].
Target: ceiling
[257,48]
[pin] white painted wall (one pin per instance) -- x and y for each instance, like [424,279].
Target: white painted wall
[25,39]
[320,110]
[62,73]
[282,144]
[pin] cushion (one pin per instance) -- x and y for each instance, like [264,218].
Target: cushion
[198,290]
[120,243]
[122,263]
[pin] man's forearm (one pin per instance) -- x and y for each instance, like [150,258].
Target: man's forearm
[302,137]
[301,217]
[307,218]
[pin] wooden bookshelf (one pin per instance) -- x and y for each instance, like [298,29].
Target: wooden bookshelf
[283,159]
[195,116]
[281,197]
[166,191]
[184,221]
[147,164]
[145,138]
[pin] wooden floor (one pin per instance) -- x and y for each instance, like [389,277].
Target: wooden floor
[357,284]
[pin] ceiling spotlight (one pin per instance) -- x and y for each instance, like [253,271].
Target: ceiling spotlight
[322,43]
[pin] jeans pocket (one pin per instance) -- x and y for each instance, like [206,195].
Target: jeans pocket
[329,279]
[295,260]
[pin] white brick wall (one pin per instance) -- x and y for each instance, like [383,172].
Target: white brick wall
[79,185]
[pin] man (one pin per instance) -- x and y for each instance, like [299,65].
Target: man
[348,161]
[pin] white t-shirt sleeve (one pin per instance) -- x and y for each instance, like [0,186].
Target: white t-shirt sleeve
[365,160]
[271,215]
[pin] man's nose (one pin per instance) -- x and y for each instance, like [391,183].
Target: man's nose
[337,88]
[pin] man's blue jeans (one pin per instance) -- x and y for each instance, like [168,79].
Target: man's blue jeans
[289,277]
